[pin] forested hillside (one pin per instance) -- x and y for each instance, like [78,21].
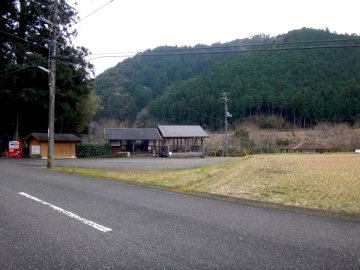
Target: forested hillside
[304,77]
[129,87]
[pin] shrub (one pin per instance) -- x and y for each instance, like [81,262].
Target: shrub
[236,152]
[284,141]
[92,150]
[270,122]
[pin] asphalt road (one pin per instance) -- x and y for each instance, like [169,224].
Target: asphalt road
[52,220]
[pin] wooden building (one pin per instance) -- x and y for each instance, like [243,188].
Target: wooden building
[182,141]
[64,145]
[305,147]
[174,141]
[133,140]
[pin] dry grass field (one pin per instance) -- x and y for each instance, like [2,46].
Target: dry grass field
[320,181]
[337,137]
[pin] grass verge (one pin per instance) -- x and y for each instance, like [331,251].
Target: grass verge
[328,182]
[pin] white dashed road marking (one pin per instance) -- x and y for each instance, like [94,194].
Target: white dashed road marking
[70,214]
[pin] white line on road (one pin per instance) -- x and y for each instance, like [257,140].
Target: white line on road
[83,220]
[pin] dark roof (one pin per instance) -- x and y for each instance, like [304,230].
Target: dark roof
[57,137]
[182,132]
[306,146]
[132,134]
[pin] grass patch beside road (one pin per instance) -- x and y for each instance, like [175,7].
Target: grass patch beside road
[326,181]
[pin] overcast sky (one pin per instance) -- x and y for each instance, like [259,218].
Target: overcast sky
[124,27]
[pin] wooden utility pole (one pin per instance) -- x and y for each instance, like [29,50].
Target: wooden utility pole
[52,79]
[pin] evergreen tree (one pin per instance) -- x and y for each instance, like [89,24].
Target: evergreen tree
[304,77]
[25,35]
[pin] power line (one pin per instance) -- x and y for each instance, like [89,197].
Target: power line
[231,49]
[224,46]
[22,39]
[94,11]
[18,68]
[255,50]
[40,46]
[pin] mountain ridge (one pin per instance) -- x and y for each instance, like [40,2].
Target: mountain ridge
[296,76]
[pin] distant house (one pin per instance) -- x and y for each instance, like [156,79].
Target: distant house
[162,141]
[182,140]
[306,146]
[64,145]
[133,140]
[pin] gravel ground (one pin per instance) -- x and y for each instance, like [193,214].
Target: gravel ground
[129,163]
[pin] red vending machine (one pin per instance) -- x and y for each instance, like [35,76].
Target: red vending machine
[15,149]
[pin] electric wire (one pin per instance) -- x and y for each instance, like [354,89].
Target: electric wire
[18,68]
[22,39]
[225,49]
[243,48]
[224,46]
[93,12]
[211,49]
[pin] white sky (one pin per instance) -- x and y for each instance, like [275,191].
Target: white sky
[136,25]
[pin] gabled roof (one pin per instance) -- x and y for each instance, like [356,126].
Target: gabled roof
[306,146]
[182,132]
[57,137]
[132,134]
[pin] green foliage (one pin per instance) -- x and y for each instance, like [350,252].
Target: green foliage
[24,90]
[128,88]
[284,142]
[236,152]
[296,83]
[92,150]
[266,146]
[243,136]
[300,86]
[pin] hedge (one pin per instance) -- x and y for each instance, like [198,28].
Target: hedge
[92,150]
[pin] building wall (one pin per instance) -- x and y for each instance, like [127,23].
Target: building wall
[61,149]
[140,146]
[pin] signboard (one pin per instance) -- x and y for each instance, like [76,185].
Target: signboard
[14,145]
[35,149]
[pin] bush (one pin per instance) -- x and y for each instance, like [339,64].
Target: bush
[236,152]
[242,136]
[284,141]
[92,150]
[214,152]
[270,122]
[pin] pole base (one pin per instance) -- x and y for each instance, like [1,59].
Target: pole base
[49,162]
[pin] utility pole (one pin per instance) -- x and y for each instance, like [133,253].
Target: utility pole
[52,79]
[226,115]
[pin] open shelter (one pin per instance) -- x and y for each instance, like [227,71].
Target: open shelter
[306,146]
[181,141]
